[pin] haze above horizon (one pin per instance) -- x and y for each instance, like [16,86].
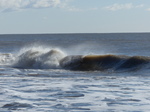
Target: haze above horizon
[74,16]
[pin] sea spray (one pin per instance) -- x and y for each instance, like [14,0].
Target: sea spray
[38,58]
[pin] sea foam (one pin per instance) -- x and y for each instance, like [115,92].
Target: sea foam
[38,58]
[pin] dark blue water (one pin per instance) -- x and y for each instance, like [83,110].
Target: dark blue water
[31,78]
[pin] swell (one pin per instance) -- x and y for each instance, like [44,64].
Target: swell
[104,62]
[56,59]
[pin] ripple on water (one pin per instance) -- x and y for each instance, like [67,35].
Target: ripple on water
[120,101]
[16,106]
[77,107]
[68,94]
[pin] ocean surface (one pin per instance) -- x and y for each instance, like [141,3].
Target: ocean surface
[75,72]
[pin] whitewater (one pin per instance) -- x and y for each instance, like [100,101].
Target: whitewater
[75,72]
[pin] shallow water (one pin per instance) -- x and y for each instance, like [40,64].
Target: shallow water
[74,91]
[61,90]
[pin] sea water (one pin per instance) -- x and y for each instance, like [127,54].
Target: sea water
[32,80]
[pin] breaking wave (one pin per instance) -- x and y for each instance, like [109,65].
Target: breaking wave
[39,59]
[35,58]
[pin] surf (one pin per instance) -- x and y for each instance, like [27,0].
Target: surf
[43,57]
[55,58]
[39,59]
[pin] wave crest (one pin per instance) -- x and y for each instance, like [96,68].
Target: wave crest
[35,59]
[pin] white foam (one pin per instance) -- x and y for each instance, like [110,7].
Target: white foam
[38,57]
[6,58]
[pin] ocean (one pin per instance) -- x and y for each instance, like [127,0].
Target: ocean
[106,72]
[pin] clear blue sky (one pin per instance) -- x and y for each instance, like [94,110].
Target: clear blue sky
[74,16]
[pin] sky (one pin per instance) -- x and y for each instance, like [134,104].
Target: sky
[74,16]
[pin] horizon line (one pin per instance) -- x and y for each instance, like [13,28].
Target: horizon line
[67,33]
